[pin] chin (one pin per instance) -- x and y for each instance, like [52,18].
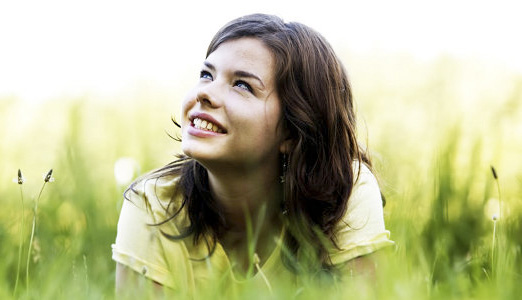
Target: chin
[187,151]
[196,154]
[187,146]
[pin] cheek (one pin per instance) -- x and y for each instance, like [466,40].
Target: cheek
[274,117]
[263,123]
[187,103]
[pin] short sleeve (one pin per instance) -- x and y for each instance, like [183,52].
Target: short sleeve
[362,229]
[140,244]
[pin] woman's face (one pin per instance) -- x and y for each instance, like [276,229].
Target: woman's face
[232,115]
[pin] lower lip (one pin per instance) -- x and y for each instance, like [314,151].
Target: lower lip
[202,133]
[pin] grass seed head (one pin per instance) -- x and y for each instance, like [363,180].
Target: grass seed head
[494,172]
[20,177]
[48,177]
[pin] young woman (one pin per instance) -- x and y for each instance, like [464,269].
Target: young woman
[273,186]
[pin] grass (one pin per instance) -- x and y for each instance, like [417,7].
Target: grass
[434,128]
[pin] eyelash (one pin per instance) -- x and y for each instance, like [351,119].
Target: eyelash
[203,74]
[246,87]
[239,83]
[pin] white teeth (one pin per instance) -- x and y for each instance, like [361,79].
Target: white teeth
[206,125]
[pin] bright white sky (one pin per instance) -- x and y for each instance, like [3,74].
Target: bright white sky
[52,48]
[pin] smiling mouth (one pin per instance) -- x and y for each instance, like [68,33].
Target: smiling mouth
[206,125]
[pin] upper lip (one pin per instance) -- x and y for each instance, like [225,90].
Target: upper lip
[207,117]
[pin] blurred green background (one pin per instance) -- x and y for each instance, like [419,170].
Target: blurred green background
[434,130]
[435,124]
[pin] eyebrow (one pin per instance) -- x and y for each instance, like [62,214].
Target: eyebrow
[238,73]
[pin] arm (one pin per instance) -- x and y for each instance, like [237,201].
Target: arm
[363,265]
[141,266]
[130,284]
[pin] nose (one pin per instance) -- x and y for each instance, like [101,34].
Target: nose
[208,95]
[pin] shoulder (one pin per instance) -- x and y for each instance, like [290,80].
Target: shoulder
[365,190]
[361,230]
[363,175]
[140,242]
[154,193]
[364,205]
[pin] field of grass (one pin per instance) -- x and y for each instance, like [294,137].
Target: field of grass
[435,129]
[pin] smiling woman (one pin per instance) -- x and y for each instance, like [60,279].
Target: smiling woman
[238,97]
[272,188]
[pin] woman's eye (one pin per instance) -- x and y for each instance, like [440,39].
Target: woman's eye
[205,75]
[243,85]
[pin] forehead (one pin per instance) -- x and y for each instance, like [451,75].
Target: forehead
[245,54]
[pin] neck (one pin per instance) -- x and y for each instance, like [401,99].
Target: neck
[253,194]
[251,201]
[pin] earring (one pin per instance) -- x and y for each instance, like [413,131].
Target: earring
[284,209]
[285,166]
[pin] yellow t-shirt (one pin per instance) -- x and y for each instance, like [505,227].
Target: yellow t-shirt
[187,269]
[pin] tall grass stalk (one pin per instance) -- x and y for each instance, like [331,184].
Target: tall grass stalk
[493,244]
[495,218]
[257,261]
[86,273]
[20,181]
[495,176]
[47,178]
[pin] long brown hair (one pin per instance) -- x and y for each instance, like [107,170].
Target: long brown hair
[319,117]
